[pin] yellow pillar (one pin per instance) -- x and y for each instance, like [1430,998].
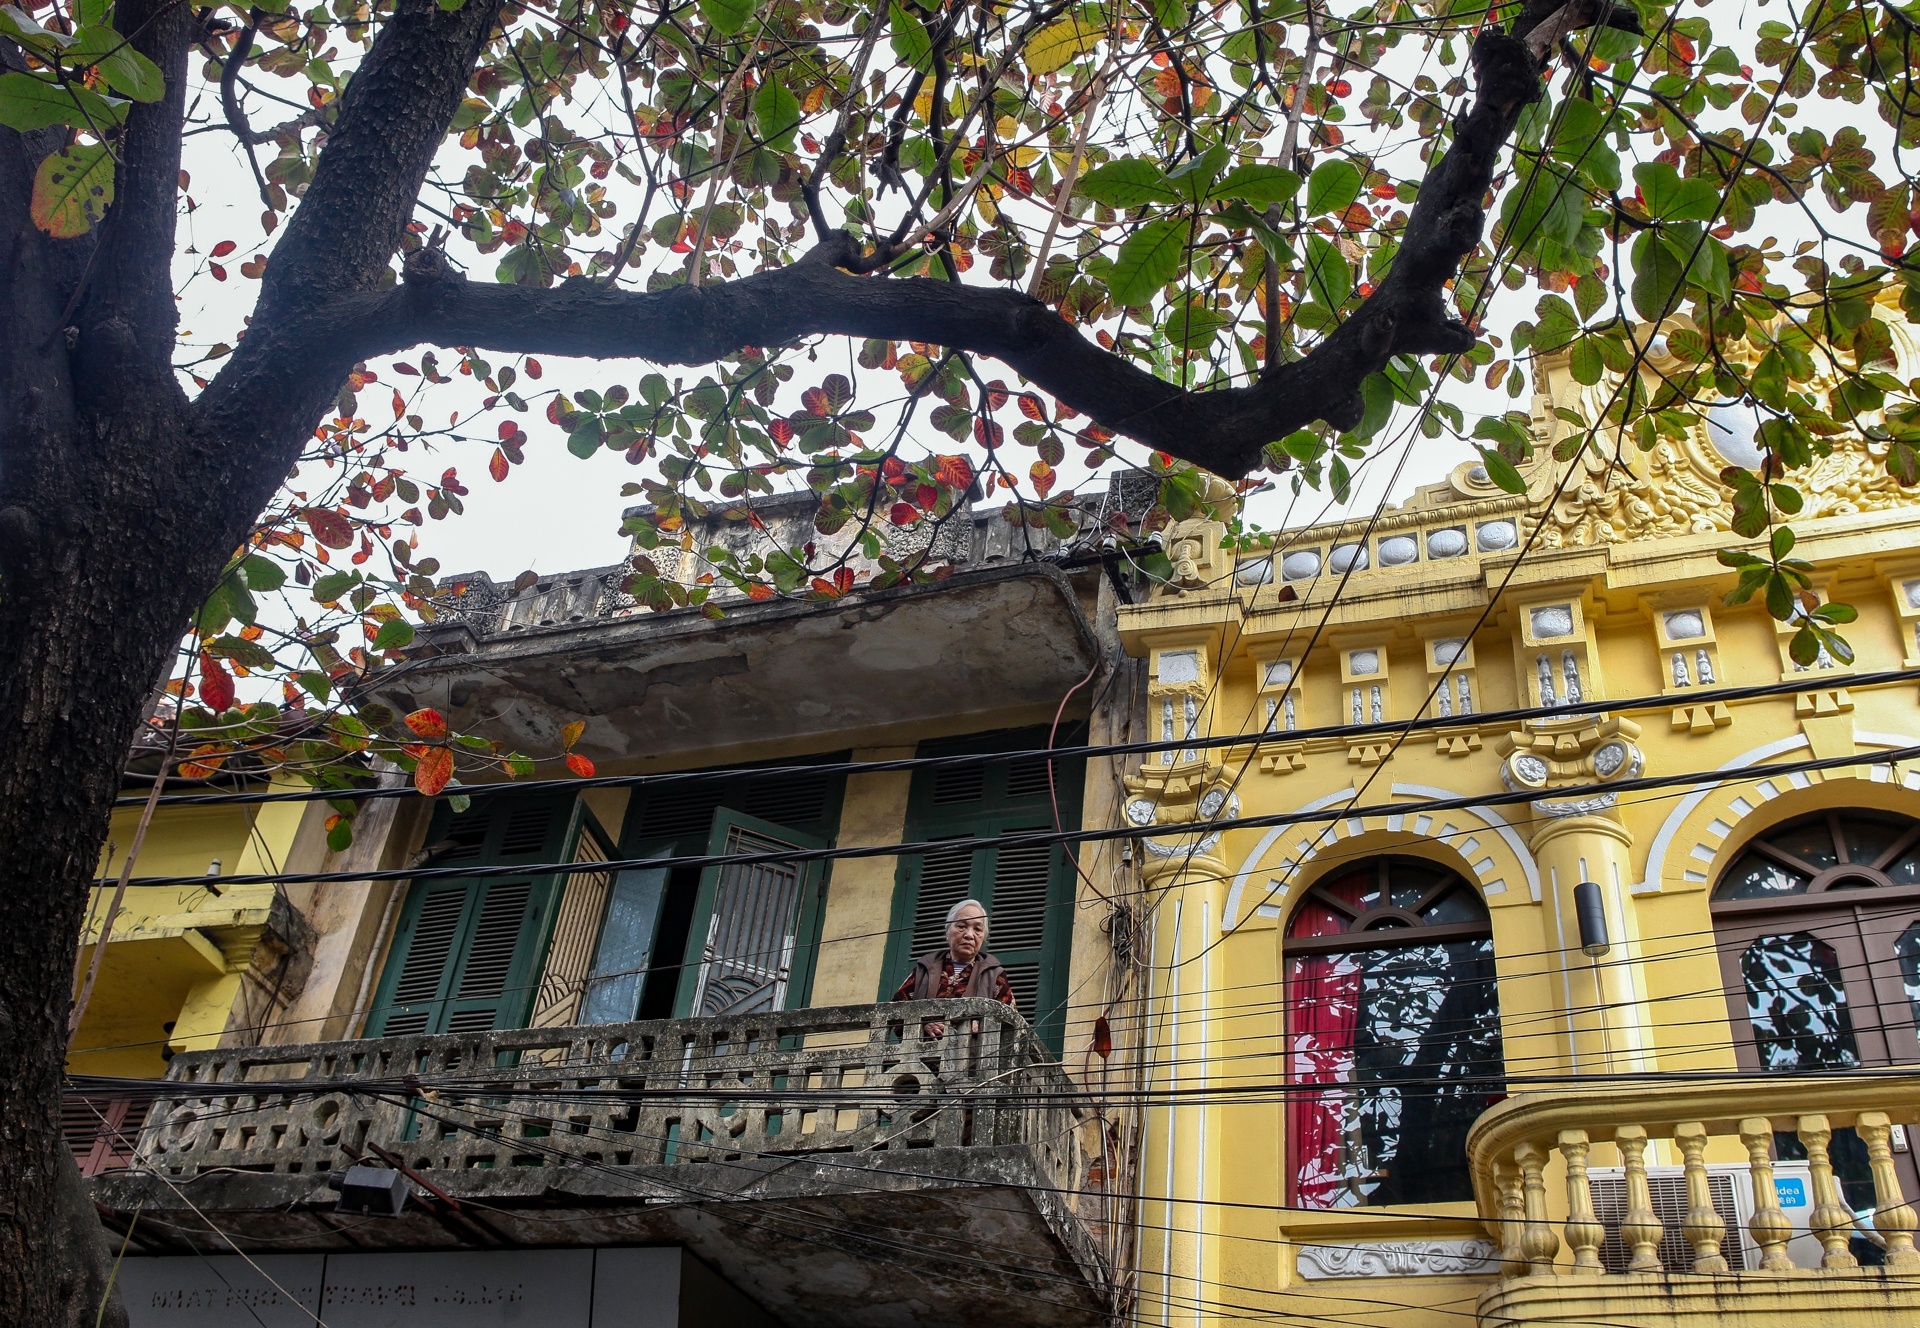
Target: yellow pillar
[1179,1245]
[1604,1032]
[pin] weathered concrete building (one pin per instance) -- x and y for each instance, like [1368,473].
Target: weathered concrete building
[579,1069]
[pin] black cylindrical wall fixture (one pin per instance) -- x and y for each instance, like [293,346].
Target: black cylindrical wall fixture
[1593,919]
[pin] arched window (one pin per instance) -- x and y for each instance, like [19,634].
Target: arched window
[1393,1035]
[1818,927]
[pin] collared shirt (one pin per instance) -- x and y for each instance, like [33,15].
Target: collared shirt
[953,983]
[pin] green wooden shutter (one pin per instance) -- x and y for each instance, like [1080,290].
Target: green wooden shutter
[1028,890]
[467,951]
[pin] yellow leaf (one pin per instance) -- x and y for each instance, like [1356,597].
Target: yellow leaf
[571,733]
[1025,156]
[1059,44]
[923,106]
[988,212]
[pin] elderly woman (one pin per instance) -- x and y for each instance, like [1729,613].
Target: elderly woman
[964,968]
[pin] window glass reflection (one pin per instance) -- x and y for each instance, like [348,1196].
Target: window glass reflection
[1755,877]
[1797,1004]
[1906,954]
[1810,841]
[1868,840]
[1408,1041]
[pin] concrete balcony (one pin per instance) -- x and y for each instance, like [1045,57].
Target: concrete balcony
[836,1165]
[1732,1229]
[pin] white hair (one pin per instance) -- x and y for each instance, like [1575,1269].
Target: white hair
[954,912]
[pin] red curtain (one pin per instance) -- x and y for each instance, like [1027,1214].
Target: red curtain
[1322,1004]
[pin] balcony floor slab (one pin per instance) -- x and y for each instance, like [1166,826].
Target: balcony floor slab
[927,1237]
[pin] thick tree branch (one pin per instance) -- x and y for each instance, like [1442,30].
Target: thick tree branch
[392,119]
[1223,430]
[128,316]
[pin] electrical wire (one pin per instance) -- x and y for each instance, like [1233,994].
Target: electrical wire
[1466,802]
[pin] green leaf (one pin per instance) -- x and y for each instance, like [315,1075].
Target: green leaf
[1502,471]
[262,573]
[1670,198]
[331,587]
[1148,261]
[340,837]
[1328,276]
[29,102]
[1257,184]
[1782,542]
[125,70]
[393,635]
[1128,183]
[250,654]
[777,113]
[726,16]
[1587,365]
[911,44]
[1658,275]
[72,189]
[1333,186]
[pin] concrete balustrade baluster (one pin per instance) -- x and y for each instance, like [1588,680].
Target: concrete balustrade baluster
[1704,1228]
[1538,1242]
[1641,1230]
[1769,1225]
[1584,1232]
[1832,1220]
[1512,1223]
[1893,1216]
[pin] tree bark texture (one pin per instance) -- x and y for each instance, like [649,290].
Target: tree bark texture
[121,500]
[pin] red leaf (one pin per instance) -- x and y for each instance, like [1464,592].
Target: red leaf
[781,432]
[428,723]
[926,495]
[903,514]
[202,762]
[498,466]
[815,400]
[224,248]
[433,770]
[219,273]
[1032,408]
[533,367]
[996,394]
[329,527]
[956,472]
[987,433]
[216,685]
[843,579]
[580,765]
[759,591]
[1102,1038]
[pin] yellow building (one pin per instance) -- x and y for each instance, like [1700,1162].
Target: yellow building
[1694,1104]
[185,967]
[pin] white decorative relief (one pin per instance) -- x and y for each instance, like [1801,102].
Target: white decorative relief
[1398,1258]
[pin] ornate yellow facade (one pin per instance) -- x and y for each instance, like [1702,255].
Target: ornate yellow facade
[1521,1119]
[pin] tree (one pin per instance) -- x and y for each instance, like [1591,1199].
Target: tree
[1194,237]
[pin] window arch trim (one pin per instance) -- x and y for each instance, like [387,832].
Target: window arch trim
[1827,886]
[1389,926]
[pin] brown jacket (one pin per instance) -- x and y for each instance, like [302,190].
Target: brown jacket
[986,980]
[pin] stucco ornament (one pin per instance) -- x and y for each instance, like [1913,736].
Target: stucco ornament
[1186,793]
[1577,752]
[1398,1258]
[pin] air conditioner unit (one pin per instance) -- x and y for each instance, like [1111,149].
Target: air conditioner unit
[1731,1186]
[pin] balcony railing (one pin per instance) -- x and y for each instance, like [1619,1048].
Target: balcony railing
[1630,1216]
[859,1080]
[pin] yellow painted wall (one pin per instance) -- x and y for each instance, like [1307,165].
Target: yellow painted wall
[176,955]
[1216,1243]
